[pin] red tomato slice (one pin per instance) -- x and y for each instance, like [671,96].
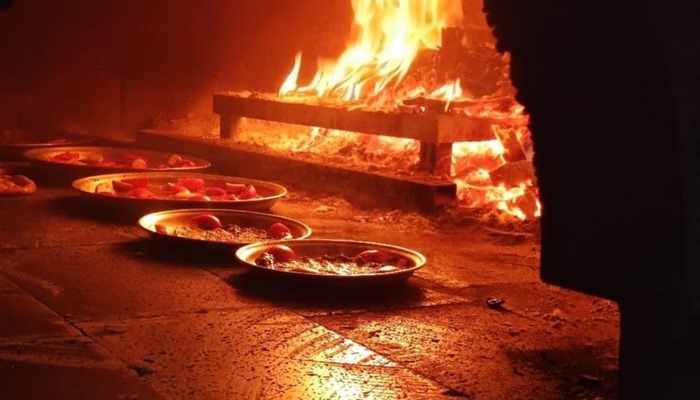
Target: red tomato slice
[174,189]
[375,256]
[139,163]
[161,229]
[137,182]
[121,187]
[193,184]
[142,193]
[235,188]
[184,163]
[174,160]
[279,230]
[249,193]
[66,156]
[281,253]
[206,221]
[215,192]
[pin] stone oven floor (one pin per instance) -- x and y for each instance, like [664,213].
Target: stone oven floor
[91,309]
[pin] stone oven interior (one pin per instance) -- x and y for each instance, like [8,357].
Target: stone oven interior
[87,302]
[116,84]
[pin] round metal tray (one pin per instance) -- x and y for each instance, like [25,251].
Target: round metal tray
[14,142]
[270,192]
[156,160]
[319,247]
[248,219]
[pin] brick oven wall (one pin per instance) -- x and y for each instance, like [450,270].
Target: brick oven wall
[107,67]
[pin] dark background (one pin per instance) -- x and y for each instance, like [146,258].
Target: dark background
[107,67]
[111,65]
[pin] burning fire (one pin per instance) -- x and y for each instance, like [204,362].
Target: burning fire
[387,38]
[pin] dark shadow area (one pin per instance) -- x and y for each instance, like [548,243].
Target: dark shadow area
[15,142]
[288,291]
[310,293]
[45,176]
[581,372]
[84,208]
[179,255]
[15,167]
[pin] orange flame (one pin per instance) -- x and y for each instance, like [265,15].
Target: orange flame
[387,36]
[448,92]
[291,82]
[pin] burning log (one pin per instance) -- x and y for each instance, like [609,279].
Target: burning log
[430,128]
[513,149]
[436,158]
[436,132]
[513,174]
[461,106]
[411,109]
[466,54]
[528,204]
[451,50]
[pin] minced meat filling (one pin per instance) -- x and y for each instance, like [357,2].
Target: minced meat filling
[228,233]
[333,265]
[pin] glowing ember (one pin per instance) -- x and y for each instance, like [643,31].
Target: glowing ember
[377,72]
[449,92]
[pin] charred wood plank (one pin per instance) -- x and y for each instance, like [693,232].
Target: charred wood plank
[430,127]
[513,149]
[436,158]
[513,174]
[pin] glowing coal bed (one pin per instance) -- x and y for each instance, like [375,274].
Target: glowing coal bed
[418,90]
[466,150]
